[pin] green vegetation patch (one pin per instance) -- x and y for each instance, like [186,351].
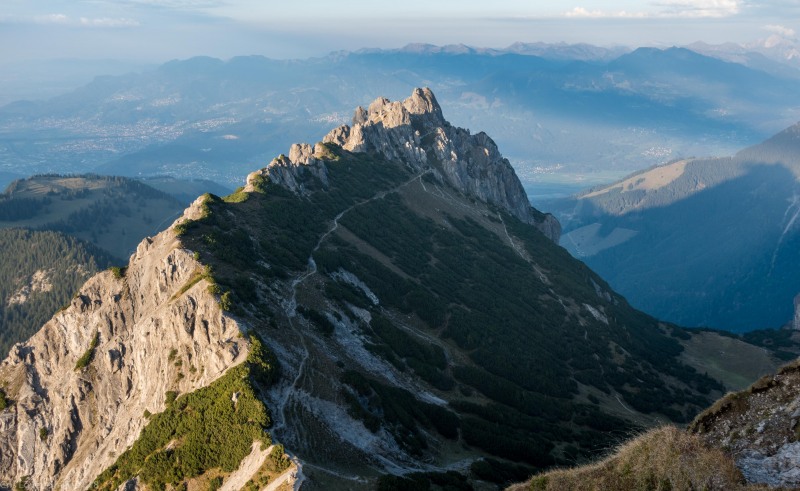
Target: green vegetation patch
[87,357]
[4,402]
[211,428]
[238,196]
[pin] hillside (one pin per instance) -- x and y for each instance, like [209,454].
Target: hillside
[39,273]
[747,440]
[385,302]
[113,213]
[700,242]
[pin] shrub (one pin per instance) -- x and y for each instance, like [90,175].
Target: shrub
[118,271]
[171,396]
[88,356]
[226,302]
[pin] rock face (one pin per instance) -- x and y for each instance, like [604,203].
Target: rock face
[796,318]
[66,423]
[759,427]
[415,132]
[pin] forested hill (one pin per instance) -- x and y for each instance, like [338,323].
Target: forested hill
[114,213]
[39,273]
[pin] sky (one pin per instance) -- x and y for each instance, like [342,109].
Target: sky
[160,30]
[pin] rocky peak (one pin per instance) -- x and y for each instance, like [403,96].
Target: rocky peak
[415,132]
[84,384]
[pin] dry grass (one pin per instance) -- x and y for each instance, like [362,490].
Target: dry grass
[651,180]
[661,459]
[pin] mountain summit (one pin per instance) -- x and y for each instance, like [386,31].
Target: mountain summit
[385,304]
[415,132]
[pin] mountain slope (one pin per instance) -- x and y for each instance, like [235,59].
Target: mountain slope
[758,428]
[748,440]
[391,280]
[114,213]
[82,387]
[422,319]
[40,273]
[700,242]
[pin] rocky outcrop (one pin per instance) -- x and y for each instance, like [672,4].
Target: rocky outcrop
[415,132]
[152,330]
[759,427]
[796,318]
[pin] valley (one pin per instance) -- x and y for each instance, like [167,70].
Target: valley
[701,242]
[213,119]
[610,303]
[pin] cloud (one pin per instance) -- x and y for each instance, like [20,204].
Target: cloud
[784,31]
[699,8]
[65,20]
[51,19]
[667,9]
[580,12]
[175,4]
[108,22]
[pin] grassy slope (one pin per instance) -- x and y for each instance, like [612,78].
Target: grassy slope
[734,362]
[662,459]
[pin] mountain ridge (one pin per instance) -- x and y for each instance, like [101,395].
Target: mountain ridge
[396,130]
[418,330]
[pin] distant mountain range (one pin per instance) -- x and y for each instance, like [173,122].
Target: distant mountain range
[571,109]
[701,242]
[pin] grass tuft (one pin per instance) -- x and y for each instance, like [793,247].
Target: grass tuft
[662,459]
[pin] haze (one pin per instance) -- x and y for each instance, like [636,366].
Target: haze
[154,31]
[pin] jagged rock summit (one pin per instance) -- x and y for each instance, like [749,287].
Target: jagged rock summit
[415,132]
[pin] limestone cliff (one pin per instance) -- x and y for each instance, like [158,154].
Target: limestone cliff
[415,132]
[140,335]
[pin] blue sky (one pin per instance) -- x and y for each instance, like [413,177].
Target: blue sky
[159,30]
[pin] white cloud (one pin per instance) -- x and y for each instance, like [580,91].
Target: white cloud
[578,12]
[65,20]
[699,8]
[51,19]
[582,12]
[667,9]
[108,22]
[175,4]
[784,31]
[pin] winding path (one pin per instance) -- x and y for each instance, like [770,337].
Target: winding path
[290,305]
